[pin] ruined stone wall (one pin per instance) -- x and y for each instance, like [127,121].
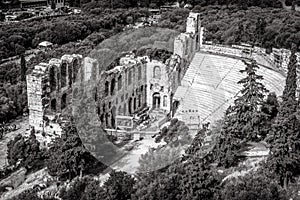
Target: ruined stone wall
[35,92]
[125,90]
[122,91]
[49,88]
[186,44]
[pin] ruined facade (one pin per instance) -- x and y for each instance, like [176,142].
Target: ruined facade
[186,44]
[122,92]
[133,85]
[49,87]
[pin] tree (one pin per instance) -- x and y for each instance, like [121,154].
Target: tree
[23,68]
[243,120]
[271,106]
[289,91]
[68,158]
[260,29]
[86,188]
[120,185]
[284,159]
[199,182]
[269,109]
[160,158]
[176,134]
[255,185]
[246,106]
[26,152]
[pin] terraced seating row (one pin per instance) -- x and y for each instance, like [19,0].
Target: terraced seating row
[212,85]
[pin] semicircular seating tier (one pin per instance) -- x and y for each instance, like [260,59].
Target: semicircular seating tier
[210,86]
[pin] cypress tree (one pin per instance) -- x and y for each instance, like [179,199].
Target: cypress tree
[23,68]
[284,157]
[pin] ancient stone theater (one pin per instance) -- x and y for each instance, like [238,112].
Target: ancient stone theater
[135,88]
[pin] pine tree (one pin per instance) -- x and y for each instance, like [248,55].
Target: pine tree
[284,157]
[246,107]
[243,120]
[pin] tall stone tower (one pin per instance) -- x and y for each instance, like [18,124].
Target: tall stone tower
[186,44]
[37,91]
[193,26]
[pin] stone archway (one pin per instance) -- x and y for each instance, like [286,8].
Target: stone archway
[156,100]
[53,78]
[113,117]
[63,75]
[53,105]
[64,101]
[70,75]
[75,69]
[130,105]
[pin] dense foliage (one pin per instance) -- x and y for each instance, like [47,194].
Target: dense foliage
[243,120]
[266,27]
[26,152]
[69,158]
[253,186]
[284,160]
[177,133]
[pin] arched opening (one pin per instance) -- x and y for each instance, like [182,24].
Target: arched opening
[52,79]
[96,94]
[134,104]
[113,115]
[103,108]
[120,110]
[53,105]
[112,86]
[63,75]
[106,119]
[102,118]
[156,100]
[156,72]
[75,69]
[165,101]
[120,82]
[130,106]
[175,107]
[106,90]
[124,109]
[140,72]
[178,77]
[140,100]
[70,75]
[197,42]
[129,77]
[64,101]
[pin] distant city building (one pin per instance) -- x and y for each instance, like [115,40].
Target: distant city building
[45,45]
